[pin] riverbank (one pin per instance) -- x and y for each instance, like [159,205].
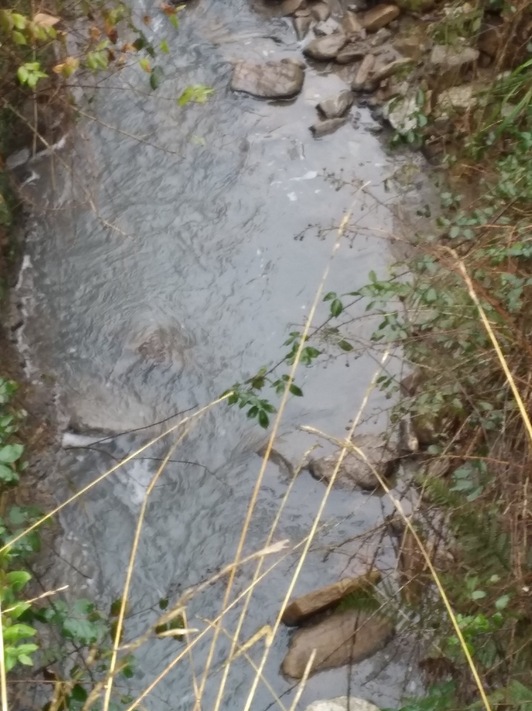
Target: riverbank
[457,414]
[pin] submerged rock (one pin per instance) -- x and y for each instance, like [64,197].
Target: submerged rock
[270,80]
[342,703]
[345,638]
[325,48]
[355,471]
[336,106]
[323,598]
[323,128]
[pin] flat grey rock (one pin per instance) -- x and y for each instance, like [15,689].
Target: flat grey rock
[269,80]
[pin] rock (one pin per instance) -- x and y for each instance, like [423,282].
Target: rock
[389,69]
[379,16]
[336,106]
[322,599]
[320,11]
[409,385]
[270,80]
[342,703]
[288,7]
[354,470]
[364,72]
[351,53]
[490,39]
[457,98]
[15,160]
[326,28]
[408,441]
[446,57]
[358,6]
[380,37]
[325,48]
[351,24]
[401,113]
[344,638]
[425,428]
[302,25]
[160,345]
[416,5]
[436,468]
[323,128]
[410,46]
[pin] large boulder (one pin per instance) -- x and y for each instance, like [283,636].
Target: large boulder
[345,638]
[326,597]
[355,470]
[342,703]
[269,80]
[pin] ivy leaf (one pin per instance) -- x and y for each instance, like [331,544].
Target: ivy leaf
[345,345]
[295,390]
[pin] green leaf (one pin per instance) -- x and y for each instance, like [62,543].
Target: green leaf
[156,77]
[336,307]
[478,595]
[79,693]
[295,390]
[164,47]
[17,579]
[16,632]
[330,296]
[19,21]
[8,475]
[9,453]
[264,420]
[163,603]
[198,94]
[114,610]
[345,345]
[127,671]
[502,602]
[19,38]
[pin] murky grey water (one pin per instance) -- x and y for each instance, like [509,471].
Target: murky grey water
[212,222]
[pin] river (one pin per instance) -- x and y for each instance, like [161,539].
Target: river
[213,223]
